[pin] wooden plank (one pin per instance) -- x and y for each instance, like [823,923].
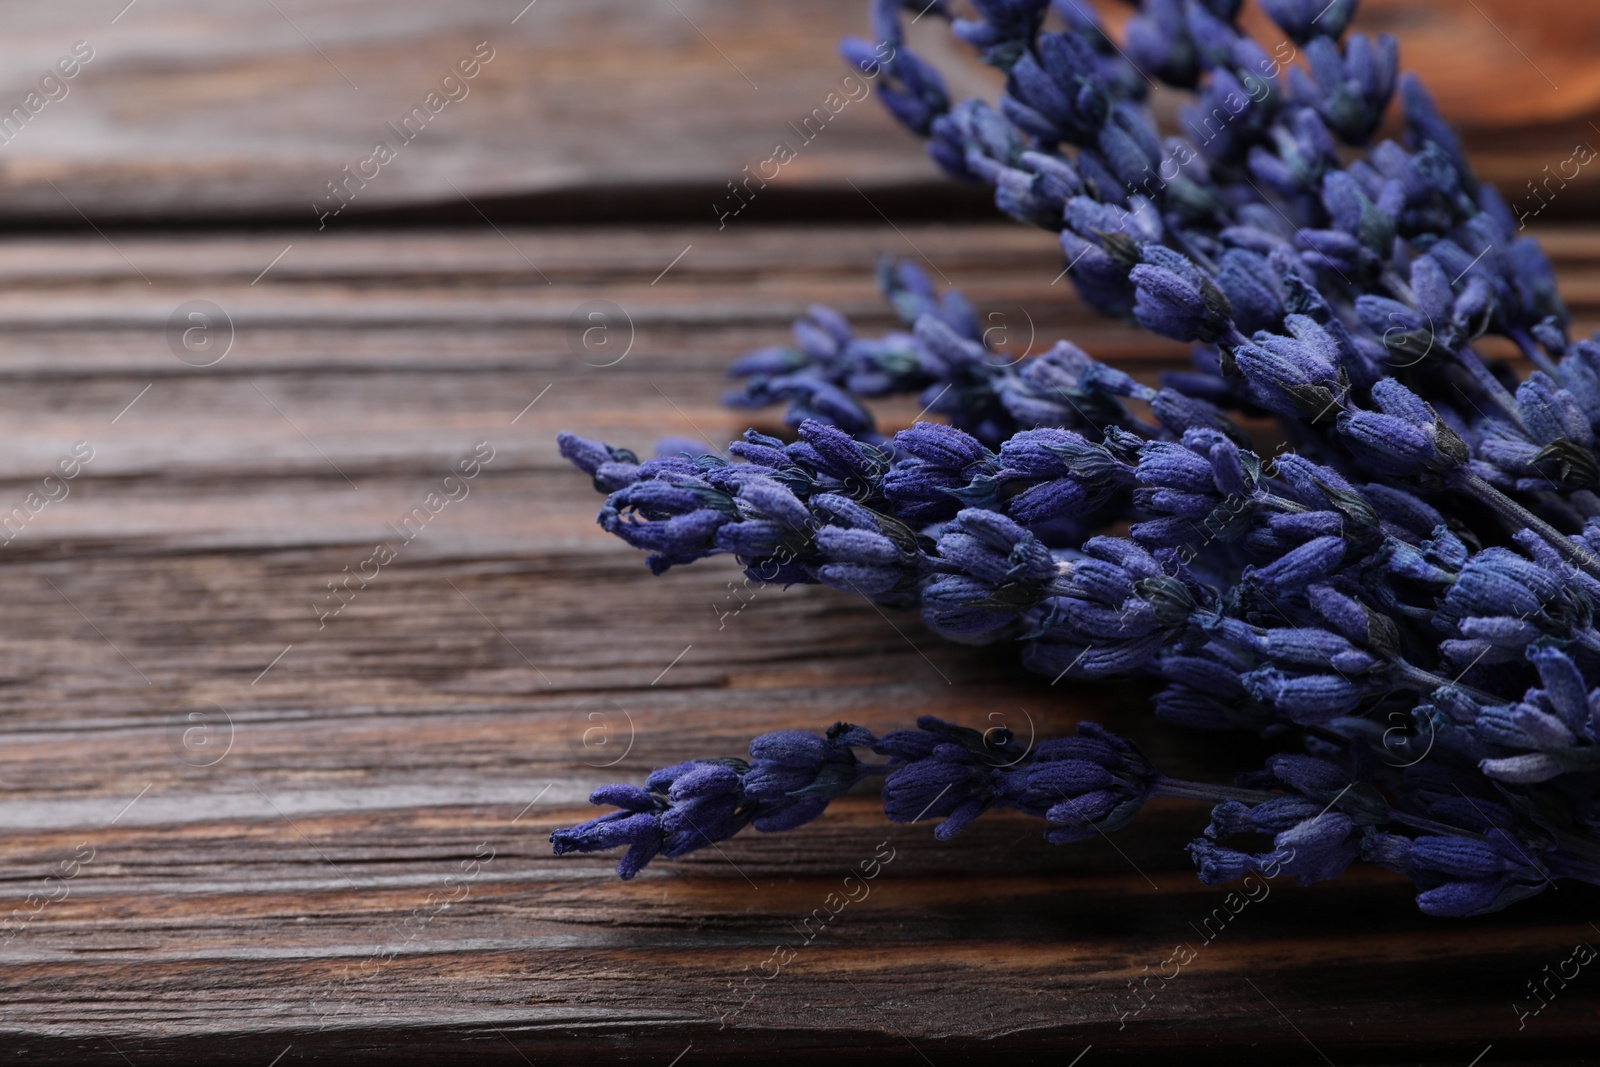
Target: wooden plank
[264,812]
[190,110]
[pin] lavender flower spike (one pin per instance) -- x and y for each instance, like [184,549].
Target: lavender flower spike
[1415,570]
[789,780]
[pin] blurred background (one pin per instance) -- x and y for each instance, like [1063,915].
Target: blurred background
[622,109]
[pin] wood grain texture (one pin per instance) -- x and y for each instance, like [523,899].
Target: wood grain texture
[216,111]
[261,815]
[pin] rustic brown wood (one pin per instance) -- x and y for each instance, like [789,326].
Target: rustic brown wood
[240,883]
[193,110]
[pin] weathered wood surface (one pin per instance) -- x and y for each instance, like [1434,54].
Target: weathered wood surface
[266,878]
[216,111]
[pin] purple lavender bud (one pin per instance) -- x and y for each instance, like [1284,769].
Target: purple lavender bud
[966,610]
[907,287]
[1309,775]
[1285,531]
[1351,618]
[1391,851]
[754,540]
[1070,476]
[641,832]
[1003,29]
[1175,299]
[685,807]
[794,774]
[943,786]
[588,455]
[1337,252]
[1218,865]
[773,360]
[1458,857]
[1580,375]
[760,450]
[872,582]
[1402,512]
[945,771]
[1227,119]
[1288,375]
[1295,570]
[678,523]
[1551,413]
[1078,818]
[1320,848]
[1157,40]
[992,548]
[1055,180]
[1350,91]
[1388,445]
[1311,842]
[1129,146]
[1407,440]
[1253,290]
[861,54]
[1174,466]
[1344,613]
[1205,672]
[1067,777]
[1064,387]
[1113,611]
[1353,213]
[1497,582]
[1016,194]
[1428,127]
[1564,687]
[852,464]
[939,461]
[1060,497]
[1179,411]
[1496,639]
[1527,769]
[885,16]
[773,500]
[1282,812]
[1101,245]
[856,546]
[681,808]
[1310,699]
[1458,899]
[1103,581]
[1533,284]
[912,89]
[823,402]
[1213,37]
[1090,785]
[1303,20]
[1322,488]
[822,332]
[955,353]
[1541,729]
[1038,105]
[1305,152]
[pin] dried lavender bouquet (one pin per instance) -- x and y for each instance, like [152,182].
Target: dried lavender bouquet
[1425,551]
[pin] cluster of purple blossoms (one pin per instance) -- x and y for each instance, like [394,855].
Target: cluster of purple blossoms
[1424,549]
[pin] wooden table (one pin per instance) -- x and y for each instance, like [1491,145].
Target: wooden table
[268,831]
[239,826]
